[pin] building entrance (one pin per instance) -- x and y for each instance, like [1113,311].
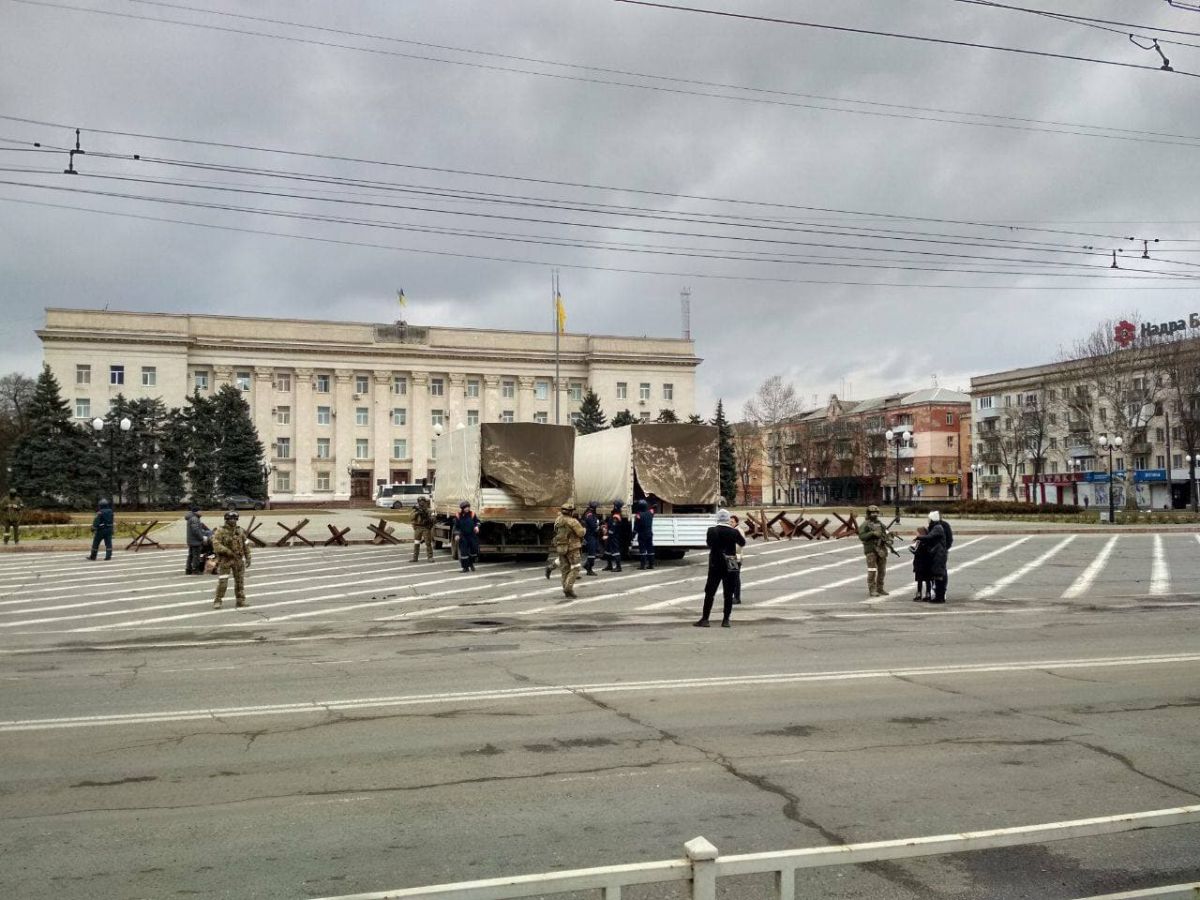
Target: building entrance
[360,484]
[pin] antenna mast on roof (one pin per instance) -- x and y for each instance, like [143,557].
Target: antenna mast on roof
[685,311]
[935,384]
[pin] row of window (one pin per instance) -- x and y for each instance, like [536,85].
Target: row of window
[116,375]
[1088,464]
[362,448]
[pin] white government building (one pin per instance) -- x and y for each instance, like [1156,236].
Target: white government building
[342,407]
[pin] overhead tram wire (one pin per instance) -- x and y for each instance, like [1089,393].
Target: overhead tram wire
[587,267]
[890,34]
[993,121]
[525,179]
[1071,17]
[1141,274]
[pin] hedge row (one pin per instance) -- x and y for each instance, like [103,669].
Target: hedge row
[988,507]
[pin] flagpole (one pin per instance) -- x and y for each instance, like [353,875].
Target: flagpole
[554,301]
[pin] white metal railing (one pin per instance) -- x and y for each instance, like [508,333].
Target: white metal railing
[702,865]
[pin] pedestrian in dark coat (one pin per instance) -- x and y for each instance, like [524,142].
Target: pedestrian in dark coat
[643,529]
[614,527]
[591,538]
[198,534]
[735,577]
[933,542]
[466,526]
[102,530]
[723,541]
[922,568]
[938,517]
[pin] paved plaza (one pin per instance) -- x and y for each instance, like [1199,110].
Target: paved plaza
[369,723]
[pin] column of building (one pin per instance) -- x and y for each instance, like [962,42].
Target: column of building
[264,420]
[564,402]
[456,408]
[525,398]
[381,432]
[343,430]
[304,415]
[490,411]
[418,420]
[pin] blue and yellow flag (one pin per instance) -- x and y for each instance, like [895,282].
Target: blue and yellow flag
[560,314]
[400,297]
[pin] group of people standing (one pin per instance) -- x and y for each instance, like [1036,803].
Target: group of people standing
[930,550]
[579,541]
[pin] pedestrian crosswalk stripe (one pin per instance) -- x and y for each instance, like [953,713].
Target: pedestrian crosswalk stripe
[1160,576]
[997,586]
[1089,575]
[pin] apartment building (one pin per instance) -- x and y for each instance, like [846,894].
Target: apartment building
[345,406]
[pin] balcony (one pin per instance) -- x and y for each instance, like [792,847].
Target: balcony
[990,479]
[1080,451]
[992,413]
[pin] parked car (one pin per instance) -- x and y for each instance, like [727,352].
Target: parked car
[241,501]
[398,496]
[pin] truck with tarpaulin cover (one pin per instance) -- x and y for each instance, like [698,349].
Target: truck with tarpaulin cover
[515,475]
[673,467]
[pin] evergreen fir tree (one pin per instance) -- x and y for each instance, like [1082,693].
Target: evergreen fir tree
[591,416]
[202,443]
[667,417]
[174,450]
[624,417]
[726,454]
[143,449]
[54,463]
[695,419]
[240,452]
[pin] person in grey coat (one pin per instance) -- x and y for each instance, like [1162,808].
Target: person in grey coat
[198,534]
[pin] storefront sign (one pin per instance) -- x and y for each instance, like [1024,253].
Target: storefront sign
[1139,475]
[1053,478]
[1126,332]
[936,479]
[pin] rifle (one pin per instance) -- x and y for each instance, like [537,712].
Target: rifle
[888,531]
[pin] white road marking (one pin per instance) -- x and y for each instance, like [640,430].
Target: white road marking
[1160,575]
[997,586]
[323,707]
[1092,572]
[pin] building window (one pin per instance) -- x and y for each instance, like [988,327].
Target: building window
[399,385]
[668,392]
[323,481]
[1051,395]
[541,390]
[541,418]
[949,418]
[506,416]
[83,408]
[433,449]
[1160,462]
[399,416]
[283,482]
[362,384]
[1120,464]
[243,381]
[576,417]
[362,415]
[472,417]
[644,390]
[437,417]
[322,384]
[622,390]
[950,440]
[437,387]
[1103,414]
[283,448]
[1139,462]
[283,382]
[993,469]
[323,448]
[1053,467]
[362,449]
[1053,443]
[508,388]
[472,387]
[1159,435]
[400,449]
[83,374]
[283,415]
[1177,461]
[324,415]
[575,391]
[201,381]
[116,374]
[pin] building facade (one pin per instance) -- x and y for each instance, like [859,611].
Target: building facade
[343,407]
[840,454]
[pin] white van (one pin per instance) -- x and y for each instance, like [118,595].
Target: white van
[398,496]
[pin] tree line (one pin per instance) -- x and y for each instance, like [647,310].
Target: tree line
[204,450]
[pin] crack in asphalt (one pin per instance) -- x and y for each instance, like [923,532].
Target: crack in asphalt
[1128,764]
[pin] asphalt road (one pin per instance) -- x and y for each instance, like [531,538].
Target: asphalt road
[368,723]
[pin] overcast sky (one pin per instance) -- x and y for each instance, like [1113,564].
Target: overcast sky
[879,330]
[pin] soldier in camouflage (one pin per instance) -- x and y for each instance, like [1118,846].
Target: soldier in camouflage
[877,543]
[13,508]
[232,550]
[568,539]
[422,523]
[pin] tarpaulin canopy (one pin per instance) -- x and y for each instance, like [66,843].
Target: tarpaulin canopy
[677,463]
[531,461]
[604,466]
[457,470]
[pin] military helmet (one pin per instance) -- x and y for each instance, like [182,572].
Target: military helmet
[873,509]
[568,507]
[231,516]
[423,500]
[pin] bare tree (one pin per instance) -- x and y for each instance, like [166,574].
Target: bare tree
[1178,360]
[16,391]
[773,404]
[748,448]
[1115,386]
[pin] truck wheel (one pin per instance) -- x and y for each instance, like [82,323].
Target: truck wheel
[397,505]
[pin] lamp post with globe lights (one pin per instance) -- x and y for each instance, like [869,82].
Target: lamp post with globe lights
[1192,459]
[897,439]
[1110,444]
[98,425]
[151,469]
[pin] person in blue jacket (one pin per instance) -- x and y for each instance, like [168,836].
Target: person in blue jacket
[614,525]
[466,525]
[643,528]
[591,537]
[102,530]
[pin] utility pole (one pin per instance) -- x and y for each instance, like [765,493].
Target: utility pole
[685,311]
[554,303]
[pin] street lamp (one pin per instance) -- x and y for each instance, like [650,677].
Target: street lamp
[804,475]
[975,470]
[897,440]
[98,426]
[152,471]
[1192,459]
[1110,444]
